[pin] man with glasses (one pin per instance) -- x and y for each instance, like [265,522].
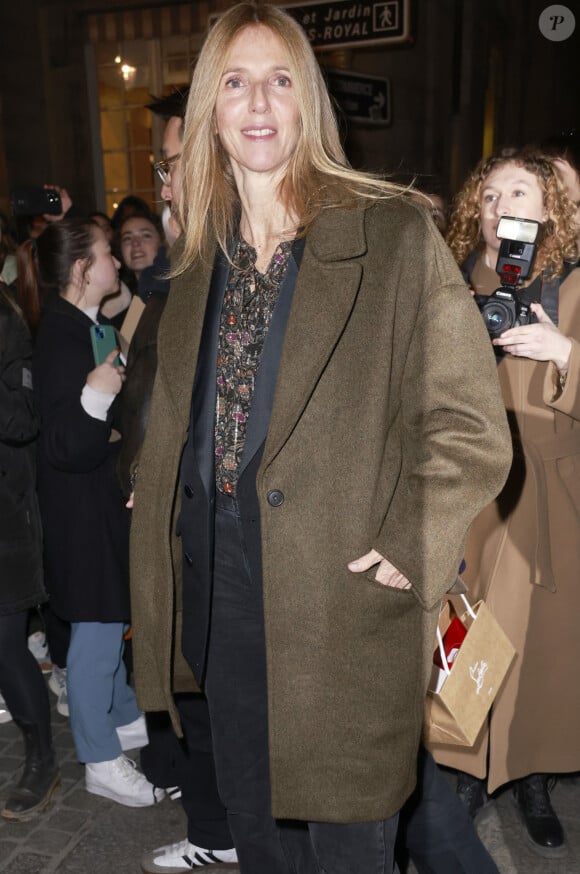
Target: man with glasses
[208,840]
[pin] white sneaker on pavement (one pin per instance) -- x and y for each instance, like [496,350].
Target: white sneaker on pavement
[183,857]
[57,684]
[5,715]
[39,649]
[133,736]
[120,781]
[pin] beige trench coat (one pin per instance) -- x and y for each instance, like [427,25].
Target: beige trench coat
[523,557]
[387,431]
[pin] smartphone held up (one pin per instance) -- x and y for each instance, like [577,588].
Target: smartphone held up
[36,201]
[104,341]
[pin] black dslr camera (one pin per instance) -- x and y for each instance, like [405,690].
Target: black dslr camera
[506,308]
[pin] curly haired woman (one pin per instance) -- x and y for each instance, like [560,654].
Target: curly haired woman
[523,551]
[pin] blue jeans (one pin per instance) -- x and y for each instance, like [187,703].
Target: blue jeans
[99,697]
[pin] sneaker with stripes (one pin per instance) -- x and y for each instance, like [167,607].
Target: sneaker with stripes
[184,857]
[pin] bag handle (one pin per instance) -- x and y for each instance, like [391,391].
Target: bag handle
[470,609]
[444,662]
[442,653]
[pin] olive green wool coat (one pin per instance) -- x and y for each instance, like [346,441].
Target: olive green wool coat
[387,431]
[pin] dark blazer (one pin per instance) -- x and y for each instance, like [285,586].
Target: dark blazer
[20,532]
[84,518]
[197,467]
[387,430]
[135,398]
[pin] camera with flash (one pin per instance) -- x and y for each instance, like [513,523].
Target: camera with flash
[505,308]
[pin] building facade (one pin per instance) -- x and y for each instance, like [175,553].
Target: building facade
[467,77]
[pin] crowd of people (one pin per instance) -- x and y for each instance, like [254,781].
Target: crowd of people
[271,493]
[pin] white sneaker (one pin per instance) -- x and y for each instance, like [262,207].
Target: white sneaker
[182,857]
[39,649]
[133,736]
[57,684]
[120,781]
[5,715]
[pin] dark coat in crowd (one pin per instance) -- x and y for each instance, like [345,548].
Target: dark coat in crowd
[83,513]
[20,532]
[135,399]
[388,431]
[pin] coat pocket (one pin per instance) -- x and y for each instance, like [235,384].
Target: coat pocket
[400,600]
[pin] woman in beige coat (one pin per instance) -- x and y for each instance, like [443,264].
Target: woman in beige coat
[523,553]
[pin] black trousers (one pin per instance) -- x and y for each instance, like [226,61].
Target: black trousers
[21,680]
[188,763]
[237,696]
[436,829]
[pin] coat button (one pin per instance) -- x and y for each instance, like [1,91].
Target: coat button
[188,491]
[275,498]
[188,558]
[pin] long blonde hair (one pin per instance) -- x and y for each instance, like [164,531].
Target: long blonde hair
[318,174]
[558,243]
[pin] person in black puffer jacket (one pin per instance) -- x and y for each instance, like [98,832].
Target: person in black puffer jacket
[21,580]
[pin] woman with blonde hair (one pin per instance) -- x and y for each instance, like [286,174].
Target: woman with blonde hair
[314,425]
[524,548]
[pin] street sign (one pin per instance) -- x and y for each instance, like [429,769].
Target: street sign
[361,98]
[341,23]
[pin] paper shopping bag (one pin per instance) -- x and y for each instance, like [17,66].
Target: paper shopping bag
[458,702]
[130,322]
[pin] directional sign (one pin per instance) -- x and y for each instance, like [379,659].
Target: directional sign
[344,23]
[341,23]
[361,98]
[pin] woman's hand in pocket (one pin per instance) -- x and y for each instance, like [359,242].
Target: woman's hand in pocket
[387,574]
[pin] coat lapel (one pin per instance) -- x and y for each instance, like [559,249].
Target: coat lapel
[205,387]
[325,292]
[327,285]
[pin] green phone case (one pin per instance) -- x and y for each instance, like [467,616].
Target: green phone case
[104,341]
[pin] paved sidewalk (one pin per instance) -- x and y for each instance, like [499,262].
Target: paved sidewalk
[86,834]
[80,833]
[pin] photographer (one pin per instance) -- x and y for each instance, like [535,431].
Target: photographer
[524,548]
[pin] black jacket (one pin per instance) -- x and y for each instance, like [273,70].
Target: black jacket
[20,533]
[85,521]
[135,399]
